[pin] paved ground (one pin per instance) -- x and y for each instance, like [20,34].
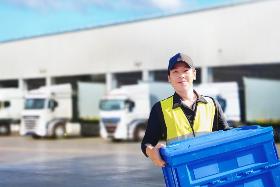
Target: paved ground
[74,162]
[77,162]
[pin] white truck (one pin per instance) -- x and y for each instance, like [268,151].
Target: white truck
[227,94]
[58,111]
[124,111]
[11,105]
[262,106]
[257,105]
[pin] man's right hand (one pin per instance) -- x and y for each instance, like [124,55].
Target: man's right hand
[153,154]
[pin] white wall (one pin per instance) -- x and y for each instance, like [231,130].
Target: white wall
[243,34]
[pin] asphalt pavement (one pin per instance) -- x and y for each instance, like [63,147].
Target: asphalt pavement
[75,162]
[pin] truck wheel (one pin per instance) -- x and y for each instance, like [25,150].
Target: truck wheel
[59,131]
[139,133]
[36,137]
[5,129]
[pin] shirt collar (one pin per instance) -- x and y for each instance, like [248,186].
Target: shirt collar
[177,101]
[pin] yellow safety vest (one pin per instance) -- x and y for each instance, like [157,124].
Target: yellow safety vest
[177,124]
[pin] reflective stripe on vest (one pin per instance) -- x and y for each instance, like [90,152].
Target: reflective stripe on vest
[177,124]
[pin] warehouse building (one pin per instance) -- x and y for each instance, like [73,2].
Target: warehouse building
[226,44]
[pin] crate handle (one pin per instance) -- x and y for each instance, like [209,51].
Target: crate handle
[249,172]
[272,165]
[243,174]
[254,171]
[219,181]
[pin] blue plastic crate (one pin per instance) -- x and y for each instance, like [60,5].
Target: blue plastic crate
[238,157]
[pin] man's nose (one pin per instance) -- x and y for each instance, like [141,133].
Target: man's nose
[182,75]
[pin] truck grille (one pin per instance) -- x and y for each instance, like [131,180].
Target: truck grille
[110,124]
[30,122]
[110,128]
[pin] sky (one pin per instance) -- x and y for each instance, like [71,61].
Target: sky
[21,19]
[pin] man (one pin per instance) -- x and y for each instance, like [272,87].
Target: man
[182,115]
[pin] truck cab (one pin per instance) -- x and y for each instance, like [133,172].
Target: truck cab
[11,105]
[125,111]
[47,112]
[116,113]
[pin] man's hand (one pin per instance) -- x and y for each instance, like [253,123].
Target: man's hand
[153,154]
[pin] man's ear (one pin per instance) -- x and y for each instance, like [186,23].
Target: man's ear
[168,78]
[194,74]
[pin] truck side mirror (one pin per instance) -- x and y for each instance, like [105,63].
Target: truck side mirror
[53,104]
[7,104]
[130,105]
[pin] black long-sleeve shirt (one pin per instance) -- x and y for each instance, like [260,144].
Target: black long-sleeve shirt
[156,128]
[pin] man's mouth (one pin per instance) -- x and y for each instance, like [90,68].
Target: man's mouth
[183,82]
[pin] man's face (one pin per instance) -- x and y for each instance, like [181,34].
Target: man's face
[181,76]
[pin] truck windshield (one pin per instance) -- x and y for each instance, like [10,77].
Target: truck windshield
[108,105]
[34,104]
